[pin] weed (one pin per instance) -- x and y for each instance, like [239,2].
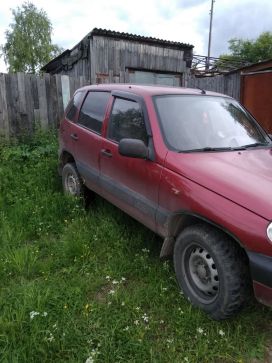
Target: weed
[87,285]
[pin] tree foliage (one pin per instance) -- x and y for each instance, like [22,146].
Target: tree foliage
[28,40]
[250,51]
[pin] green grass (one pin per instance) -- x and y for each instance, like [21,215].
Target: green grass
[78,284]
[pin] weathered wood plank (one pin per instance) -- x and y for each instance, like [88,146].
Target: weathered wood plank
[4,119]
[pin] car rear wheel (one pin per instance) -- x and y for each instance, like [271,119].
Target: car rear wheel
[71,181]
[211,270]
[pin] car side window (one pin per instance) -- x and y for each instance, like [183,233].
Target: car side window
[73,106]
[127,121]
[93,110]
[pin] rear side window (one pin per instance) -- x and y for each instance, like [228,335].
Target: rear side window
[127,121]
[93,110]
[73,106]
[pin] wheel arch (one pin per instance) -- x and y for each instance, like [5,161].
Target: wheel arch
[64,158]
[178,221]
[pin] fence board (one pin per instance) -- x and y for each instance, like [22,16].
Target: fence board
[28,101]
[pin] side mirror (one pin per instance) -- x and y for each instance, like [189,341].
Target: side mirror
[133,148]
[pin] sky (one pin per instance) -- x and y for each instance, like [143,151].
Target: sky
[184,21]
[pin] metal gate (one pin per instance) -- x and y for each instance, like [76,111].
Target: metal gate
[256,96]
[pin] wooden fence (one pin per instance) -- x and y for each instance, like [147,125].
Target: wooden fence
[29,101]
[228,84]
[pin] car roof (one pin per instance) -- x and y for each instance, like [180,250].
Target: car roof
[149,90]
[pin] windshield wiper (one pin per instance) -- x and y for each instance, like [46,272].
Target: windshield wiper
[209,148]
[256,144]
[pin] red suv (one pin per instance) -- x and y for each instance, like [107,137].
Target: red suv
[194,167]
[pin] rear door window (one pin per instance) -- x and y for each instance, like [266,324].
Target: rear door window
[74,105]
[93,111]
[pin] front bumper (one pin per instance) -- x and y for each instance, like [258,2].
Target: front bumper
[261,273]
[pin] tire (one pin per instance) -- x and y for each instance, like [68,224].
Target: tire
[71,181]
[212,270]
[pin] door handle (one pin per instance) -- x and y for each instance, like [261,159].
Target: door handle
[74,137]
[106,153]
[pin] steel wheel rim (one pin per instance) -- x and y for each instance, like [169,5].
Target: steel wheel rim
[71,184]
[201,273]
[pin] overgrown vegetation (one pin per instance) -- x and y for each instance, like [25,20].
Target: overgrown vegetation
[87,285]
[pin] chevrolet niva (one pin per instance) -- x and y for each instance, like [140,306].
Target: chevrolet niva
[191,165]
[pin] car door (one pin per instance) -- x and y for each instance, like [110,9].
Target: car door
[130,183]
[87,136]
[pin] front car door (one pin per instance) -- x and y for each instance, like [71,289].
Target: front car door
[130,183]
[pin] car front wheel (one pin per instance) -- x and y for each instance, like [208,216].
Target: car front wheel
[211,270]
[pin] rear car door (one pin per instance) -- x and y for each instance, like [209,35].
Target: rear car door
[87,136]
[130,183]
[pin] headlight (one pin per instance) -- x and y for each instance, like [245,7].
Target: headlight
[269,231]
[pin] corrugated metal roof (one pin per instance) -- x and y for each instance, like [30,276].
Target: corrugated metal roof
[114,34]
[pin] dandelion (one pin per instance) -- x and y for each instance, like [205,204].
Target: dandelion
[200,330]
[221,332]
[32,314]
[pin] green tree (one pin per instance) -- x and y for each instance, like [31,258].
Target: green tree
[28,40]
[249,51]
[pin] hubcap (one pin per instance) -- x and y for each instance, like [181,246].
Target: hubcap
[203,272]
[71,184]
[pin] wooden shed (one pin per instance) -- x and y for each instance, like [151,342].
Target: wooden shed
[105,56]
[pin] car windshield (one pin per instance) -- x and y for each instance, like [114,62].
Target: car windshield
[192,123]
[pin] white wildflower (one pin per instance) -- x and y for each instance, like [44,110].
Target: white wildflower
[32,314]
[123,279]
[145,318]
[108,278]
[200,330]
[137,308]
[44,313]
[145,250]
[126,328]
[161,321]
[115,282]
[89,360]
[221,332]
[136,322]
[111,292]
[123,303]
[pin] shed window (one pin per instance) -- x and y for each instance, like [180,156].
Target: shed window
[93,110]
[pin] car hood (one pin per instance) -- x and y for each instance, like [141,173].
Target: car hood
[245,177]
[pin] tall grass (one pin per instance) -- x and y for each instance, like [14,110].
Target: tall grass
[82,285]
